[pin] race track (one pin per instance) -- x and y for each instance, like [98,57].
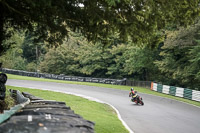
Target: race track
[158,115]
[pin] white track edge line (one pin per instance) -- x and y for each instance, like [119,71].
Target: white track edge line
[89,98]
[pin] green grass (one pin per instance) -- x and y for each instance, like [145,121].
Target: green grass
[7,103]
[139,89]
[105,118]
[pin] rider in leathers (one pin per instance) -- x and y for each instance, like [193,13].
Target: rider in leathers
[133,94]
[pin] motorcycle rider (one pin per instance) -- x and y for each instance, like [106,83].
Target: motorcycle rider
[133,94]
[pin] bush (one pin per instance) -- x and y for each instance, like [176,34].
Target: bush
[31,67]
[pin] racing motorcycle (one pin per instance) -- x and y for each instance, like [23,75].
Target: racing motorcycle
[137,99]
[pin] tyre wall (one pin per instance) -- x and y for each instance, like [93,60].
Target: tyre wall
[44,116]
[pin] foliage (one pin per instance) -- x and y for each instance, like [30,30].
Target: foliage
[195,62]
[180,58]
[175,61]
[88,59]
[61,60]
[11,60]
[26,51]
[139,19]
[139,62]
[92,60]
[116,65]
[33,48]
[31,67]
[8,102]
[13,57]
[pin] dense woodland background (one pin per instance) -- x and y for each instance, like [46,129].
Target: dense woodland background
[153,45]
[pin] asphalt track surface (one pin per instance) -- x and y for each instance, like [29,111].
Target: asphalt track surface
[158,115]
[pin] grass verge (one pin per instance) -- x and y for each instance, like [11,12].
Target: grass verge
[8,102]
[139,89]
[105,118]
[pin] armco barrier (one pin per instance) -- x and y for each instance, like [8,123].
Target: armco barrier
[177,91]
[64,77]
[145,84]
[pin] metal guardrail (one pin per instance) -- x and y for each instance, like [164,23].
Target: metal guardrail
[146,84]
[64,77]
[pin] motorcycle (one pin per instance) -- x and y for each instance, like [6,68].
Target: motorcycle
[137,99]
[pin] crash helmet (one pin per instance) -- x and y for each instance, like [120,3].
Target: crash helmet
[132,89]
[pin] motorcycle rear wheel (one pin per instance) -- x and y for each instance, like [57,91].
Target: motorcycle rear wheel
[141,102]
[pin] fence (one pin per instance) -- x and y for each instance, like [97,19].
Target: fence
[64,77]
[171,90]
[177,91]
[146,84]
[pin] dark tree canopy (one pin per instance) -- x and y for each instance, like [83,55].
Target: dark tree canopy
[96,19]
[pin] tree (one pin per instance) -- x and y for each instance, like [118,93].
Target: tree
[117,61]
[140,62]
[63,59]
[194,67]
[33,47]
[92,59]
[96,19]
[13,57]
[180,57]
